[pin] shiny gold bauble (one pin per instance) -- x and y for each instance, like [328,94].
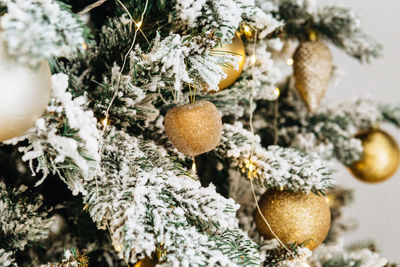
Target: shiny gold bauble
[380,158]
[312,68]
[194,128]
[146,262]
[294,217]
[24,94]
[236,48]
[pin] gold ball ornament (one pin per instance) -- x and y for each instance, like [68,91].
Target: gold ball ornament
[236,48]
[312,69]
[194,128]
[24,94]
[380,159]
[294,217]
[146,262]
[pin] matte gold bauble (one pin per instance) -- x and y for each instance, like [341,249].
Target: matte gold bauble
[194,128]
[24,94]
[146,262]
[236,48]
[312,68]
[294,217]
[380,158]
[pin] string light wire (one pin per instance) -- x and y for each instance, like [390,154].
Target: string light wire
[253,62]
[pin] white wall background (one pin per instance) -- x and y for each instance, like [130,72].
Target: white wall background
[376,206]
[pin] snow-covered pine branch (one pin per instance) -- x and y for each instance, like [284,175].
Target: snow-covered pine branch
[21,221]
[339,25]
[7,258]
[72,257]
[262,78]
[131,105]
[36,30]
[274,167]
[223,17]
[390,113]
[150,202]
[341,256]
[65,140]
[330,131]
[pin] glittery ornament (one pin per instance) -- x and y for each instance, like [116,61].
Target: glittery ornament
[294,217]
[146,262]
[24,94]
[194,128]
[312,71]
[236,48]
[380,158]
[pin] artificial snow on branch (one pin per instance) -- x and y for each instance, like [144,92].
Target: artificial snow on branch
[21,221]
[175,61]
[72,257]
[330,131]
[222,17]
[7,258]
[132,104]
[339,25]
[35,30]
[274,255]
[340,256]
[260,75]
[149,202]
[65,140]
[274,167]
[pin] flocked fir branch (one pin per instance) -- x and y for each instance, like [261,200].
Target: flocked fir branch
[330,131]
[7,258]
[276,256]
[65,141]
[274,167]
[36,30]
[98,190]
[169,61]
[340,256]
[149,202]
[72,257]
[339,25]
[222,17]
[260,75]
[23,221]
[133,185]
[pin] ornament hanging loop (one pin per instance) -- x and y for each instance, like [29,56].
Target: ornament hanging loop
[312,36]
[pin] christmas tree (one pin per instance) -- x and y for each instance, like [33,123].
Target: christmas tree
[182,133]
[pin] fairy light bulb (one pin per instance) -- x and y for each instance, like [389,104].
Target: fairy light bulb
[247,31]
[84,45]
[251,168]
[139,24]
[104,122]
[304,264]
[194,169]
[253,59]
[118,247]
[289,61]
[277,92]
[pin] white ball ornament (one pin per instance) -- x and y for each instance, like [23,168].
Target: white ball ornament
[24,94]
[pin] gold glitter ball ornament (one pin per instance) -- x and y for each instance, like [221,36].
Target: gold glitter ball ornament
[380,158]
[146,262]
[294,217]
[236,48]
[24,94]
[312,68]
[194,128]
